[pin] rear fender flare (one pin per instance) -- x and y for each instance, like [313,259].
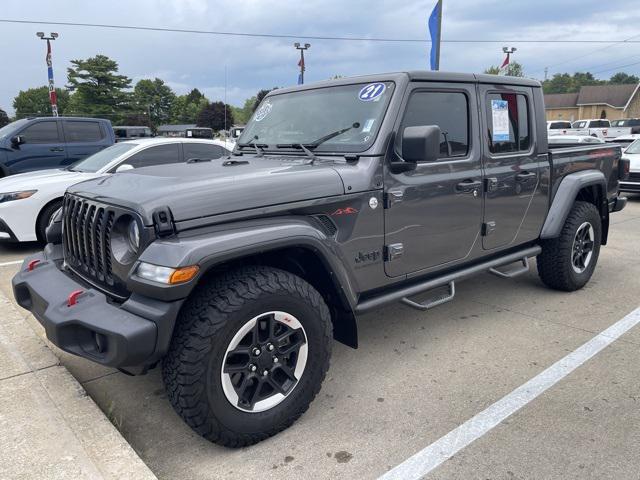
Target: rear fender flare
[565,197]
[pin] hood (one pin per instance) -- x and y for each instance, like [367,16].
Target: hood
[42,179]
[195,190]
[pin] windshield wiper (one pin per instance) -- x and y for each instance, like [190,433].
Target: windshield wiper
[258,147]
[302,147]
[331,135]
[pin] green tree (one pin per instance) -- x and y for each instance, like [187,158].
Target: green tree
[566,83]
[154,97]
[4,118]
[35,102]
[621,78]
[98,88]
[215,116]
[514,69]
[187,107]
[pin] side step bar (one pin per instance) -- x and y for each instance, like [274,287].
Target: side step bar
[448,279]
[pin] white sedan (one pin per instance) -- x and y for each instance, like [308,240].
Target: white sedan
[28,201]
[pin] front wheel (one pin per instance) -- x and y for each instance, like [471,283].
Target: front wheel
[249,354]
[568,261]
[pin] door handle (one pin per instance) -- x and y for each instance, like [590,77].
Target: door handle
[56,149]
[469,186]
[526,176]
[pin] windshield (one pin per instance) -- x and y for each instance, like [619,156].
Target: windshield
[340,119]
[103,158]
[619,123]
[634,147]
[12,127]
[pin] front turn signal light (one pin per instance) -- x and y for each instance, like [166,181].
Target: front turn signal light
[166,275]
[184,274]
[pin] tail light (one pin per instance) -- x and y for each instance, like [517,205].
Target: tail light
[623,169]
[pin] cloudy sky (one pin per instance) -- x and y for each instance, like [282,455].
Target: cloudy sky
[189,60]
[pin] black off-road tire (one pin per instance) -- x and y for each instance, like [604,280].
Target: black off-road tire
[555,266]
[208,321]
[44,218]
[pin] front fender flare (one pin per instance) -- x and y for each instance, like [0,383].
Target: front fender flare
[566,195]
[223,243]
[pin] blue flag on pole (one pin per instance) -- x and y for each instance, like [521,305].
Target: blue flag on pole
[435,24]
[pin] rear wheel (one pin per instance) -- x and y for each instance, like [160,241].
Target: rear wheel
[249,354]
[44,219]
[567,262]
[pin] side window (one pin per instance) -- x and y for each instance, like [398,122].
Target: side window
[41,132]
[160,155]
[78,132]
[202,151]
[449,111]
[508,121]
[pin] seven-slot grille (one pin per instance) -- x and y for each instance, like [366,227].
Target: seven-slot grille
[87,238]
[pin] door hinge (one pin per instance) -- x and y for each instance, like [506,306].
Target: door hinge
[391,197]
[490,184]
[393,251]
[488,228]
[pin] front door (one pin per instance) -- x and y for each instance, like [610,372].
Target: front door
[433,214]
[510,161]
[43,148]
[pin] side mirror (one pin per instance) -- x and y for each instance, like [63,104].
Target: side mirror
[124,168]
[17,140]
[421,144]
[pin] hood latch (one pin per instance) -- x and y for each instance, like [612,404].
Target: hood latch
[163,222]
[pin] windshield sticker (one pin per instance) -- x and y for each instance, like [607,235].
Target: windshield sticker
[500,120]
[263,111]
[368,125]
[371,91]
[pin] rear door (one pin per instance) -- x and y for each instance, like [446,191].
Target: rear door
[43,147]
[510,161]
[433,213]
[83,138]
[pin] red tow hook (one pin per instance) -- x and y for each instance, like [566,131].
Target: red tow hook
[32,264]
[72,299]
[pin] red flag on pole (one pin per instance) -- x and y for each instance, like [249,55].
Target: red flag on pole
[505,64]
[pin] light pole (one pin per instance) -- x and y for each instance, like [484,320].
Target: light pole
[302,48]
[509,51]
[53,98]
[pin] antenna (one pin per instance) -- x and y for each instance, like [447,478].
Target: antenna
[225,106]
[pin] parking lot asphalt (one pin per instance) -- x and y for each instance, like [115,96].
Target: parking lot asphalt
[418,376]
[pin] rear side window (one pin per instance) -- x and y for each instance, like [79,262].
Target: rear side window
[160,155]
[508,122]
[447,110]
[77,132]
[41,132]
[579,124]
[202,151]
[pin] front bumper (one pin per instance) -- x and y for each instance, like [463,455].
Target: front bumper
[133,335]
[630,187]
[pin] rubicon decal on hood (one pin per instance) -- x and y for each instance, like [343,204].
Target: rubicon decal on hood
[344,211]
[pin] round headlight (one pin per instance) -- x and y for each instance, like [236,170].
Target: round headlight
[125,239]
[134,235]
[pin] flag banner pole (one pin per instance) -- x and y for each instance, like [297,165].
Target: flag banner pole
[53,98]
[435,31]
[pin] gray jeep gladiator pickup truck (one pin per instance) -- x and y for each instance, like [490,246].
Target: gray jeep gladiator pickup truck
[340,197]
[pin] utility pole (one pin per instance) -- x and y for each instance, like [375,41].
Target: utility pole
[546,72]
[302,48]
[53,98]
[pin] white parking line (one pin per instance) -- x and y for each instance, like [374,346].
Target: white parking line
[441,450]
[15,262]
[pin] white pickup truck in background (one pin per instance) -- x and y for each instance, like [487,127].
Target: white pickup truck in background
[592,127]
[625,126]
[558,127]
